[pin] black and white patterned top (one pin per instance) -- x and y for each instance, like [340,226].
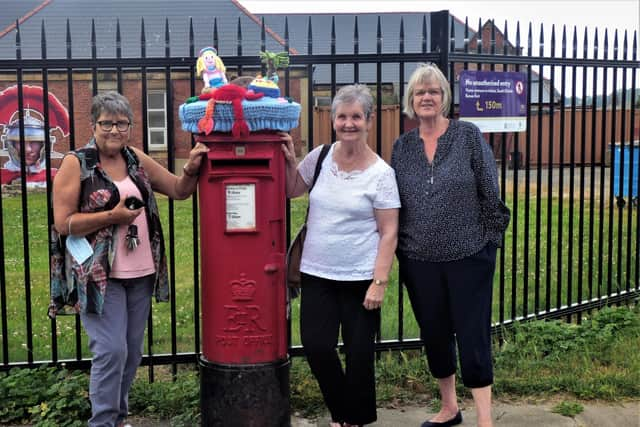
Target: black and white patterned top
[451,207]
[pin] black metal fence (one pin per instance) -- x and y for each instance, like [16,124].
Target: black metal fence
[574,239]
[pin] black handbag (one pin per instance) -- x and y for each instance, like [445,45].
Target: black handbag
[294,253]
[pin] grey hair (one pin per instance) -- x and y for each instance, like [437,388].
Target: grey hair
[351,94]
[110,102]
[425,74]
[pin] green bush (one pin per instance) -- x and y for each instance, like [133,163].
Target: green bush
[45,397]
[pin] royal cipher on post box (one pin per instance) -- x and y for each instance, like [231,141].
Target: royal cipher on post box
[243,244]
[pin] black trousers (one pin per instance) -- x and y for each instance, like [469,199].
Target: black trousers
[327,305]
[452,304]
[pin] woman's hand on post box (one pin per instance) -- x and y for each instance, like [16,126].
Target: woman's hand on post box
[186,184]
[288,149]
[295,184]
[176,187]
[195,158]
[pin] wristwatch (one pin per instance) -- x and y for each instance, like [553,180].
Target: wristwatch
[379,282]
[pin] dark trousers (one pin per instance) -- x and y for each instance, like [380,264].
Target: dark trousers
[327,305]
[452,304]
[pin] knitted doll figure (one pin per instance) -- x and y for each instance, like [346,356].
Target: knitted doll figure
[211,67]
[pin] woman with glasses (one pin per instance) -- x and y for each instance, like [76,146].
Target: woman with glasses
[451,222]
[103,202]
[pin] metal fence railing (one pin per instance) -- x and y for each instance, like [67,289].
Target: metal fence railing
[572,245]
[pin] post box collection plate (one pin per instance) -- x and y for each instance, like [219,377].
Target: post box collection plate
[240,207]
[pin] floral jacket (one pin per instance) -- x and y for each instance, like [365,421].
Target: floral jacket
[81,287]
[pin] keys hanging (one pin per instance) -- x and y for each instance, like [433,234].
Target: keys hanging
[132,238]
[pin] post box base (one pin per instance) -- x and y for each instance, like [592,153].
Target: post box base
[244,395]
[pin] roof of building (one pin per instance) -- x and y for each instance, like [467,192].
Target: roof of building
[129,15]
[231,21]
[15,10]
[226,13]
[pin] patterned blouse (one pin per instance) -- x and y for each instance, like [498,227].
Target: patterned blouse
[81,287]
[451,207]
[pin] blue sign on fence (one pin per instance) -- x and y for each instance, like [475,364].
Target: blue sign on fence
[495,101]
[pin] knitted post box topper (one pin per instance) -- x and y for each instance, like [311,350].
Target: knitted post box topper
[230,94]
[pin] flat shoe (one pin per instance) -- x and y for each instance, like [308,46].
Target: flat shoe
[452,422]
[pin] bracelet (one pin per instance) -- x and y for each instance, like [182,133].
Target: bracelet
[187,173]
[69,225]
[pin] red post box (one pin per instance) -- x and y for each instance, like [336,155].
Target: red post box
[244,362]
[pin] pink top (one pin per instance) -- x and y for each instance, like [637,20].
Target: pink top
[128,264]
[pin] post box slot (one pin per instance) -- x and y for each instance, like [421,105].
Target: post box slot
[242,164]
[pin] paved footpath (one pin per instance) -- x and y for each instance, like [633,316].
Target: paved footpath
[595,414]
[511,415]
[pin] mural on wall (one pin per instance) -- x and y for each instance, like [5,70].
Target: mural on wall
[34,133]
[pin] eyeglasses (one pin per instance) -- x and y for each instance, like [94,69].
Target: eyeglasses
[430,92]
[107,125]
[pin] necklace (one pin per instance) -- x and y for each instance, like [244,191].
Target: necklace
[431,180]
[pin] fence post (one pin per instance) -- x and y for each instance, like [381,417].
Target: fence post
[439,31]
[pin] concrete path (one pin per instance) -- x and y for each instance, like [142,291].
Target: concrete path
[510,415]
[595,414]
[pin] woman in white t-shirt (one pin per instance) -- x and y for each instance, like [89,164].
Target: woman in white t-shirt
[351,239]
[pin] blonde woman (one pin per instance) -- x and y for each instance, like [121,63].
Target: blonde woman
[451,222]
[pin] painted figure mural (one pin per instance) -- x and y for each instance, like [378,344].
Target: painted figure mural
[34,133]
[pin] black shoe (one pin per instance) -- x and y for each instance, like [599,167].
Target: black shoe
[452,422]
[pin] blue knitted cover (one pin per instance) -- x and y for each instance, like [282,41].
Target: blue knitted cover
[262,114]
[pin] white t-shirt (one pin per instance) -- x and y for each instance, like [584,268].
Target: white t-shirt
[342,233]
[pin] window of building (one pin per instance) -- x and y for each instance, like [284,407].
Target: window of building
[157,120]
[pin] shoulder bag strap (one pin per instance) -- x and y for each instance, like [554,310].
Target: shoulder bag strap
[316,173]
[323,153]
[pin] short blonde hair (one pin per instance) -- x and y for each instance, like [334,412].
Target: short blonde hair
[424,74]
